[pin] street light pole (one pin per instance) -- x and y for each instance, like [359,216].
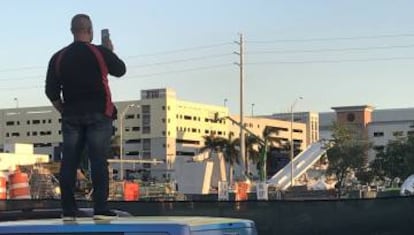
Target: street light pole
[16,100]
[121,130]
[291,139]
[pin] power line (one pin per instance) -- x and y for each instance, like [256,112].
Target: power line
[143,55]
[180,71]
[22,78]
[181,50]
[143,75]
[335,38]
[6,89]
[331,61]
[21,68]
[332,49]
[181,60]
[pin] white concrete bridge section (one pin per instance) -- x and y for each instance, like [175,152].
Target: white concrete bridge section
[301,163]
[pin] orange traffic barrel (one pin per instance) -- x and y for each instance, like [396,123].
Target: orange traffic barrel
[3,189]
[19,186]
[241,191]
[131,191]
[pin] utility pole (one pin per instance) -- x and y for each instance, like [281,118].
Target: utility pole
[242,141]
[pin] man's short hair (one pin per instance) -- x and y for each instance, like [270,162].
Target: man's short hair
[81,22]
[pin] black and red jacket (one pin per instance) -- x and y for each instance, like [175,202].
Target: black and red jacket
[79,72]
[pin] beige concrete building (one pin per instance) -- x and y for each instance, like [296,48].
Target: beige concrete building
[311,119]
[159,126]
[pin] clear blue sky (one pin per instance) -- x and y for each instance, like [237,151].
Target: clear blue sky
[332,53]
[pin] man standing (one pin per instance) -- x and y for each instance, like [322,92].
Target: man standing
[77,85]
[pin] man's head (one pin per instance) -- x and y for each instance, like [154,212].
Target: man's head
[81,28]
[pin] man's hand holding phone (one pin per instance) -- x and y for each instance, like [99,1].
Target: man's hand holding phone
[105,39]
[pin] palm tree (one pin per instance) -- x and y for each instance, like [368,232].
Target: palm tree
[252,151]
[231,154]
[215,145]
[270,140]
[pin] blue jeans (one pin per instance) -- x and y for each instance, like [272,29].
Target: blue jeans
[94,132]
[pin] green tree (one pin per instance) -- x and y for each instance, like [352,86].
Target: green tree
[348,153]
[252,151]
[396,160]
[231,154]
[214,145]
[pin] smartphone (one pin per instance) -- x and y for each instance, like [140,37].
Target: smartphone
[104,36]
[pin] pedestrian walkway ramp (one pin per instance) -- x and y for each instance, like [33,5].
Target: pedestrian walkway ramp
[301,163]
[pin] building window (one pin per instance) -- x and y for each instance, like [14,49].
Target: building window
[146,120]
[49,121]
[28,133]
[133,141]
[129,116]
[163,120]
[7,134]
[146,130]
[182,153]
[15,134]
[146,144]
[163,133]
[138,116]
[34,133]
[10,123]
[146,109]
[35,121]
[136,128]
[186,117]
[163,107]
[378,134]
[45,133]
[132,153]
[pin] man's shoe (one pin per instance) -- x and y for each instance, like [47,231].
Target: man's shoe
[73,216]
[105,215]
[69,217]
